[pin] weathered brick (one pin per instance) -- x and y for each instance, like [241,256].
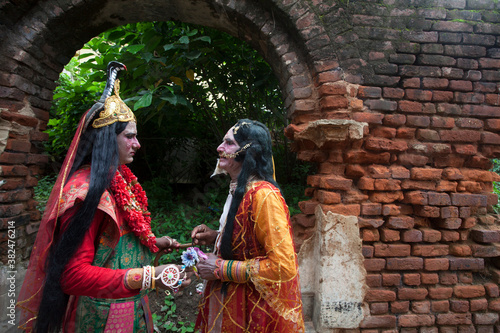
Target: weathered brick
[394,120]
[460,250]
[328,197]
[381,144]
[434,83]
[400,222]
[475,200]
[454,319]
[485,318]
[348,210]
[384,132]
[466,264]
[459,306]
[485,251]
[412,293]
[413,320]
[465,149]
[408,184]
[494,305]
[430,250]
[374,265]
[367,251]
[469,97]
[490,138]
[448,278]
[469,123]
[440,293]
[409,263]
[473,291]
[364,157]
[332,89]
[410,106]
[392,250]
[413,159]
[380,295]
[427,211]
[438,199]
[480,304]
[386,197]
[440,306]
[450,236]
[400,306]
[393,93]
[450,211]
[429,278]
[416,198]
[389,210]
[411,236]
[335,183]
[379,308]
[389,235]
[460,135]
[436,264]
[387,185]
[399,172]
[419,95]
[442,122]
[378,321]
[451,223]
[369,208]
[492,289]
[431,235]
[370,223]
[373,280]
[412,279]
[379,171]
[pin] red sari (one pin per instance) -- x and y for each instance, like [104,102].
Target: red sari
[270,301]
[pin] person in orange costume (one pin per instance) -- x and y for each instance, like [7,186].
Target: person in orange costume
[90,266]
[252,276]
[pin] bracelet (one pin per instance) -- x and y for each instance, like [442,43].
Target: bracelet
[218,265]
[171,277]
[146,278]
[153,277]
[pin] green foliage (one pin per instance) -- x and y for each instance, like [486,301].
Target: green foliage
[42,191]
[187,84]
[167,320]
[76,93]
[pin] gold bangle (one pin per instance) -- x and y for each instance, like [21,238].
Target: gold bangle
[153,278]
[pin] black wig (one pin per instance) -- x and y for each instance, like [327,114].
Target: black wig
[257,161]
[99,148]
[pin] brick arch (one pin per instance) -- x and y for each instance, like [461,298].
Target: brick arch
[41,37]
[397,103]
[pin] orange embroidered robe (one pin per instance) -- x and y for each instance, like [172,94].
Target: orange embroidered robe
[270,301]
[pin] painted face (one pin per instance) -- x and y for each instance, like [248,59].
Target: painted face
[227,163]
[128,143]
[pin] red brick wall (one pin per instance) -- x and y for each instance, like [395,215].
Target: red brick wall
[422,74]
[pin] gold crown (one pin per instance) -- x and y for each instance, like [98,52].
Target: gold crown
[114,110]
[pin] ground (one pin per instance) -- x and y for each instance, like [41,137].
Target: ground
[186,302]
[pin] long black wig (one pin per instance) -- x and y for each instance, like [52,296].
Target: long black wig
[257,161]
[99,148]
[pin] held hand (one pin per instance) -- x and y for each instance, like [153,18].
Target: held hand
[206,267]
[203,235]
[163,276]
[167,244]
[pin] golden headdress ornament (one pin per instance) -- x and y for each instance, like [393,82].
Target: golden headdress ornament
[114,110]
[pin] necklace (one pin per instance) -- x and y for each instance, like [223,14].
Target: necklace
[132,200]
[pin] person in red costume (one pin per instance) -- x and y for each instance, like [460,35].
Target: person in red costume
[90,268]
[252,276]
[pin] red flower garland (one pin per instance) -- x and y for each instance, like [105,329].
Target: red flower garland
[132,200]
